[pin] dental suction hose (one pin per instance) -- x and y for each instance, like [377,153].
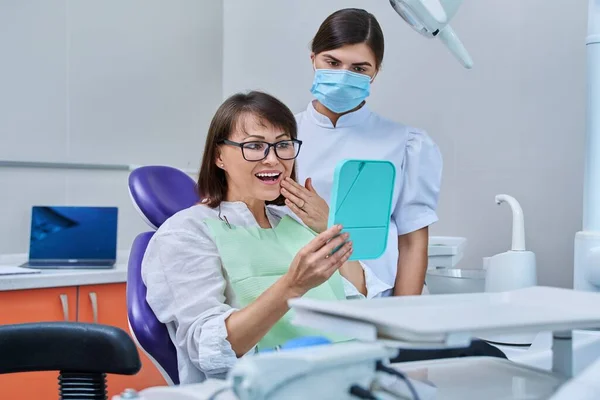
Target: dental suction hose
[518,224]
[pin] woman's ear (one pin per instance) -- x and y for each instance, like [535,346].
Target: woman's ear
[219,161]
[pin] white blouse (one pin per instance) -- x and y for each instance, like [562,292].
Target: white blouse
[189,291]
[363,134]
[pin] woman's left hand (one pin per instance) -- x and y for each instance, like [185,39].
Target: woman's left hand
[306,203]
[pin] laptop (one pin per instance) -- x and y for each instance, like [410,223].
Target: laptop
[73,237]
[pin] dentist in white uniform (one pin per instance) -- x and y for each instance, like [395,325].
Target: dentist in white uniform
[347,52]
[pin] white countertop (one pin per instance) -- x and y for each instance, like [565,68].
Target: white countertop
[61,277]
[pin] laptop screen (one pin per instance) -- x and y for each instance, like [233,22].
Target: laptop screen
[73,233]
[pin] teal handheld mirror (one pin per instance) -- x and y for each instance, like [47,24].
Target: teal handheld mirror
[361,201]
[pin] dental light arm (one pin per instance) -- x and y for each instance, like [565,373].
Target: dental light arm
[430,18]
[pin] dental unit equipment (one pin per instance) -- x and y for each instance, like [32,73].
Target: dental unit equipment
[382,327]
[431,19]
[513,269]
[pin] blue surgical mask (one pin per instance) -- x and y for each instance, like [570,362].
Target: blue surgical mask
[340,90]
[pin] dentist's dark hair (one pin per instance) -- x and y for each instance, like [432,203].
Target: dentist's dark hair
[231,116]
[350,26]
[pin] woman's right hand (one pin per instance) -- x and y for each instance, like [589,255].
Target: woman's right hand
[314,264]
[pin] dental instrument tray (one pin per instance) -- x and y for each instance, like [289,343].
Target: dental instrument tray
[361,201]
[444,321]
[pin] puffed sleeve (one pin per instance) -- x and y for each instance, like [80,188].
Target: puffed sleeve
[186,286]
[420,181]
[375,286]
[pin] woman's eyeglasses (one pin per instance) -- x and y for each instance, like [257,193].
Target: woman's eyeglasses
[259,150]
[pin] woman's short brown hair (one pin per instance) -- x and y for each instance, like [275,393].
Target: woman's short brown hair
[212,182]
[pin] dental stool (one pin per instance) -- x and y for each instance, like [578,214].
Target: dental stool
[157,192]
[82,353]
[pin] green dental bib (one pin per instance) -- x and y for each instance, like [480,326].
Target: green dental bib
[255,258]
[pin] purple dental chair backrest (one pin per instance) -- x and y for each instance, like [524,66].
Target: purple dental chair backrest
[157,193]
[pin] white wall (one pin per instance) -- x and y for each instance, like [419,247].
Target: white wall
[112,81]
[137,82]
[514,124]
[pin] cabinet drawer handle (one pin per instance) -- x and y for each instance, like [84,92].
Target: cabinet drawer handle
[64,299]
[94,300]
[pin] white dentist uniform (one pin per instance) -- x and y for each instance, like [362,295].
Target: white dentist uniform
[363,134]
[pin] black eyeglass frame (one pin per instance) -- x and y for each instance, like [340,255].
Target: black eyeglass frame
[267,150]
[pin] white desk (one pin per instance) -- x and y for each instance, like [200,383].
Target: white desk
[61,277]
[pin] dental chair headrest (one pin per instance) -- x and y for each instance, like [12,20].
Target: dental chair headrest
[158,192]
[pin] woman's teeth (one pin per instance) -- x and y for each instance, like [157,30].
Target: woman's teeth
[268,176]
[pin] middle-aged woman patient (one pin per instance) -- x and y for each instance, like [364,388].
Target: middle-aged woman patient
[219,274]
